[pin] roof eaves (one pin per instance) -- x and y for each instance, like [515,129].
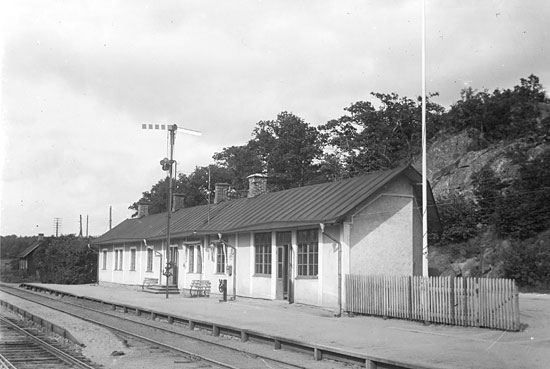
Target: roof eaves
[375,187]
[29,249]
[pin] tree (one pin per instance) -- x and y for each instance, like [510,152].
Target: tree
[66,260]
[503,114]
[487,190]
[12,245]
[288,148]
[156,198]
[459,217]
[518,209]
[526,202]
[194,187]
[240,162]
[370,139]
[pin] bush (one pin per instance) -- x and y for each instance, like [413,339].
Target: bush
[459,218]
[528,262]
[66,260]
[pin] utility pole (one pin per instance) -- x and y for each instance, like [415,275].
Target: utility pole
[57,225]
[80,222]
[86,226]
[110,217]
[167,165]
[424,170]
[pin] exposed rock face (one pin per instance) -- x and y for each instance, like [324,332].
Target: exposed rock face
[452,160]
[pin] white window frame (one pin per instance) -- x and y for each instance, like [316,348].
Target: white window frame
[191,259]
[150,260]
[133,258]
[307,253]
[119,258]
[220,259]
[263,257]
[104,254]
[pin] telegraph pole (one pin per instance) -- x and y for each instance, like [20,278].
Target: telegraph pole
[167,165]
[424,170]
[80,232]
[57,225]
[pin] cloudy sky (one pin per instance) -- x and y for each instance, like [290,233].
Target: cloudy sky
[80,77]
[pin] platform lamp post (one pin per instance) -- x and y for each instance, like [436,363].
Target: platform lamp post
[167,165]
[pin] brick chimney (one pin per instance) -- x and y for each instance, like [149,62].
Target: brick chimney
[178,201]
[143,210]
[257,184]
[221,192]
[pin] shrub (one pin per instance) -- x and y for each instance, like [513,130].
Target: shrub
[66,260]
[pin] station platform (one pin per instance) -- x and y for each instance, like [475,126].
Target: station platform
[426,346]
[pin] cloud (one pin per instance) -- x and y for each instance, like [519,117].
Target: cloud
[78,81]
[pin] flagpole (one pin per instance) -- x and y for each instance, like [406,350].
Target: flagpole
[424,171]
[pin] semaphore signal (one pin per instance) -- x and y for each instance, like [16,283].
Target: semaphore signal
[167,165]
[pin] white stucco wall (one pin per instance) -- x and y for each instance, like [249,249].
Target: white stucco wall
[328,272]
[381,236]
[127,276]
[245,260]
[417,240]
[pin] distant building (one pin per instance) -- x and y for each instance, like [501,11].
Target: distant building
[27,263]
[295,244]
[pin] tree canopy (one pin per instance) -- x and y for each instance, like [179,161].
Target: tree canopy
[371,136]
[503,114]
[66,260]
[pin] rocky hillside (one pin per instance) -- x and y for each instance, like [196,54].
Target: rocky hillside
[452,160]
[453,163]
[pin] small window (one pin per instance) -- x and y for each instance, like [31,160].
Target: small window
[120,261]
[308,252]
[132,259]
[149,259]
[191,261]
[199,260]
[262,245]
[104,259]
[220,259]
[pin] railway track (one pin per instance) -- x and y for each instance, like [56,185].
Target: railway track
[178,338]
[22,347]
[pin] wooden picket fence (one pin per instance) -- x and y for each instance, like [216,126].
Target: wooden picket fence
[477,302]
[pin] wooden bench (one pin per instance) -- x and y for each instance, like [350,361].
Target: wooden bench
[200,288]
[149,281]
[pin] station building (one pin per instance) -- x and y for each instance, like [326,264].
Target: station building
[294,245]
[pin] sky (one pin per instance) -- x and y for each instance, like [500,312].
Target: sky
[78,78]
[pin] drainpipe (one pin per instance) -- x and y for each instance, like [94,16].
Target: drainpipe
[322,225]
[234,265]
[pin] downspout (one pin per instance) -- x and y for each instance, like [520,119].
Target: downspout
[322,225]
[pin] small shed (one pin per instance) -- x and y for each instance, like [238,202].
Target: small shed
[27,263]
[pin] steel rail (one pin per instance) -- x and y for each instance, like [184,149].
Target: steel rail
[5,363]
[320,352]
[63,356]
[139,337]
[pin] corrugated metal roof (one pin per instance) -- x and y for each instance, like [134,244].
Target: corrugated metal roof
[326,202]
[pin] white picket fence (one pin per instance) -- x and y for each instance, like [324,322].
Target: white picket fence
[477,302]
